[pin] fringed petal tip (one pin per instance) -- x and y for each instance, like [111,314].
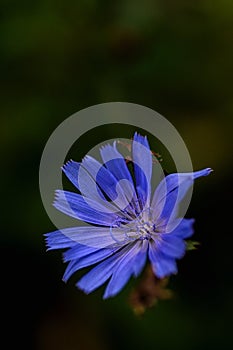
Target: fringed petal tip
[139,138]
[200,173]
[57,195]
[57,198]
[48,245]
[208,171]
[47,241]
[68,163]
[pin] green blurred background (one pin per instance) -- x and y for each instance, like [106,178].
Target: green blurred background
[58,57]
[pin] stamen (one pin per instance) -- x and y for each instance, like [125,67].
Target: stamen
[117,223]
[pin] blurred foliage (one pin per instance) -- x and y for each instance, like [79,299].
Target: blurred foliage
[58,57]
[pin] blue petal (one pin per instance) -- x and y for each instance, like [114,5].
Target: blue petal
[97,276]
[171,191]
[92,258]
[109,185]
[200,173]
[78,251]
[172,181]
[116,164]
[172,246]
[102,272]
[88,186]
[141,258]
[131,262]
[71,170]
[91,178]
[91,236]
[142,159]
[86,183]
[162,266]
[75,206]
[57,240]
[184,229]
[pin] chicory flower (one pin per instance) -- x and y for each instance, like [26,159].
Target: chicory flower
[127,225]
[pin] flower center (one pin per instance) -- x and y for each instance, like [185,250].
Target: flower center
[144,229]
[140,227]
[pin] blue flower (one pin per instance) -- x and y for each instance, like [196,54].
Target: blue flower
[128,227]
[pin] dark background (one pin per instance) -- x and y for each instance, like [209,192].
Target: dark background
[58,57]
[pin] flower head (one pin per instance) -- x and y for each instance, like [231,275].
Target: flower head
[128,226]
